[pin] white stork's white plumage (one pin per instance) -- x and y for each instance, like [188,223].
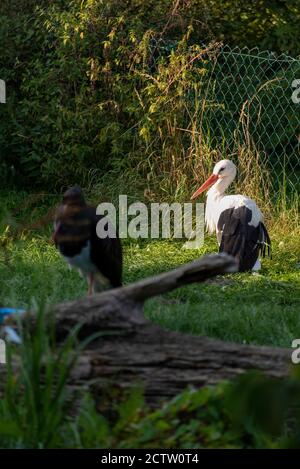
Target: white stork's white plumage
[236,219]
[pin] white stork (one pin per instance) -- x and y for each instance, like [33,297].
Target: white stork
[237,220]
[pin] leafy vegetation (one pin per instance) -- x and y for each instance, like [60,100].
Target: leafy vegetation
[37,408]
[115,95]
[41,402]
[96,92]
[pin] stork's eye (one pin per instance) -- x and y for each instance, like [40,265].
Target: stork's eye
[221,169]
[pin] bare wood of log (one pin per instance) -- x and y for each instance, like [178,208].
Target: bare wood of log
[121,308]
[163,362]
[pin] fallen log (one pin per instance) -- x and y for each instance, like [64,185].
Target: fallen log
[121,309]
[133,351]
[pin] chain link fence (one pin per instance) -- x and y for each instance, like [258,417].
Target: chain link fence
[253,100]
[254,95]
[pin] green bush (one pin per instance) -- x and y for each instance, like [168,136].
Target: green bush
[90,93]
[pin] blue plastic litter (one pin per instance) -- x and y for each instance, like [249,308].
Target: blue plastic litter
[10,333]
[7,311]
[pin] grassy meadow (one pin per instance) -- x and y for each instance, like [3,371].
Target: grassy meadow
[260,308]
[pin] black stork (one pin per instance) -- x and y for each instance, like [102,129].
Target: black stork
[236,219]
[98,259]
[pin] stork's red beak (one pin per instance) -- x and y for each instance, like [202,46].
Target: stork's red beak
[209,182]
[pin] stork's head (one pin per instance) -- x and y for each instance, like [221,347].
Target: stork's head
[223,173]
[68,217]
[74,196]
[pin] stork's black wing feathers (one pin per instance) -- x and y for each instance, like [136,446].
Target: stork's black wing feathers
[106,253]
[243,241]
[78,225]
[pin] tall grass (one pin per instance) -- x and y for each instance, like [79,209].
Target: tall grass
[37,407]
[177,137]
[36,397]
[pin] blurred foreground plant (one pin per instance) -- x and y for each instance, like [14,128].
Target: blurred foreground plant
[39,410]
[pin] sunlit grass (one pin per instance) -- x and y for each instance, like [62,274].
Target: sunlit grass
[256,309]
[247,308]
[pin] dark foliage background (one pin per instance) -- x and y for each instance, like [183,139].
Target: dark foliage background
[85,96]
